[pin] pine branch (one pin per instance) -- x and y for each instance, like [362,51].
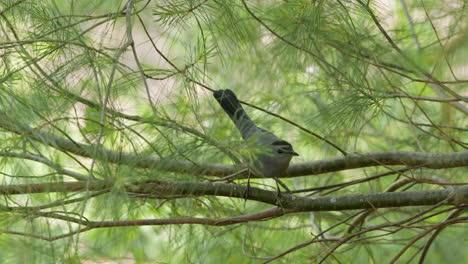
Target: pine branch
[350,161]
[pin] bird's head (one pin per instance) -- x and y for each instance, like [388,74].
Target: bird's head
[283,148]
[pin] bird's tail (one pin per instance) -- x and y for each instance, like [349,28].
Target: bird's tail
[231,105]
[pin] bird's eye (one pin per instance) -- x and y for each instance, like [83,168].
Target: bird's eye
[280,151]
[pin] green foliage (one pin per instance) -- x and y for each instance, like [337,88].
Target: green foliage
[65,71]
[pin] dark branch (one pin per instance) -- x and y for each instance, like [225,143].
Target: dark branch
[164,189]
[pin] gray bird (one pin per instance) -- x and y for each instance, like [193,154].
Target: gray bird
[274,153]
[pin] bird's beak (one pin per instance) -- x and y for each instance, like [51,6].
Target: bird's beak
[294,153]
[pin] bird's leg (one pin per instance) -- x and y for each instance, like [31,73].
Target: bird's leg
[278,191]
[247,190]
[282,184]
